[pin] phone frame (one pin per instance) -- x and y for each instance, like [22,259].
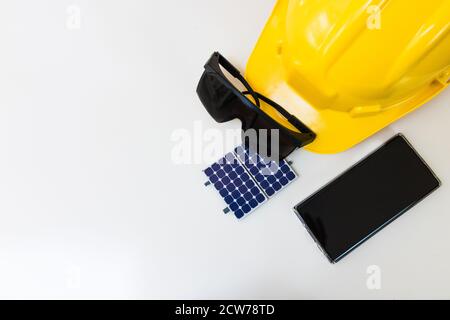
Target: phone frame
[388,222]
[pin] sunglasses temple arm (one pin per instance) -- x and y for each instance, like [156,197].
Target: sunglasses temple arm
[289,117]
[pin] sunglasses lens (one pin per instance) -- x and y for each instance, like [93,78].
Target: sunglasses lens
[270,140]
[216,97]
[221,102]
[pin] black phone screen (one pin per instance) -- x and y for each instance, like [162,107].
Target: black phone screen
[367,197]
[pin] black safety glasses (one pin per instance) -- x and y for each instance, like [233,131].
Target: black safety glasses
[225,102]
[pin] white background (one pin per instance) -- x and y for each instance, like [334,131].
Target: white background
[91,205]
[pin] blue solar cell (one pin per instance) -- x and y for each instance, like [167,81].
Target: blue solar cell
[271,179]
[260,178]
[234,207]
[221,174]
[248,196]
[226,180]
[253,203]
[241,201]
[270,192]
[232,175]
[265,184]
[209,172]
[246,209]
[291,176]
[255,191]
[239,214]
[229,199]
[260,198]
[214,178]
[277,186]
[254,170]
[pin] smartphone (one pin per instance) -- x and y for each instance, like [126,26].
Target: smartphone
[366,198]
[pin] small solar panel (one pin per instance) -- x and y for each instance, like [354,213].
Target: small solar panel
[245,180]
[271,176]
[235,185]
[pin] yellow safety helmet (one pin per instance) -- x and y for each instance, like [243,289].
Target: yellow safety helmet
[348,68]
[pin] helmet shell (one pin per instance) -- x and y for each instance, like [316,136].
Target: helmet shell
[348,68]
